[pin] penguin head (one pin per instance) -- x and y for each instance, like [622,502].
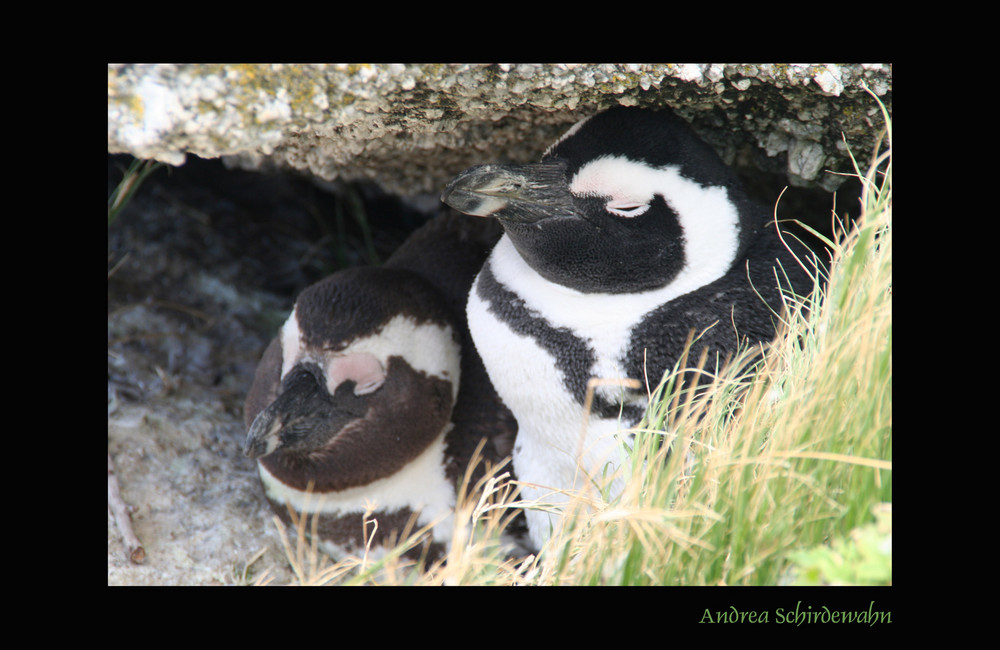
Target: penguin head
[362,379]
[627,200]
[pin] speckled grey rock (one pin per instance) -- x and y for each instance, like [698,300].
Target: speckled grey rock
[411,127]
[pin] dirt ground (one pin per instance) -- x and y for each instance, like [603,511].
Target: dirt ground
[203,267]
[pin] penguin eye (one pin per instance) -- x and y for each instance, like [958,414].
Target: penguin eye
[625,208]
[369,386]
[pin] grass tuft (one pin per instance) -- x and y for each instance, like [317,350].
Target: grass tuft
[138,170]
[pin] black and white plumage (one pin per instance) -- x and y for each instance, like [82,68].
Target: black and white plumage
[372,393]
[629,234]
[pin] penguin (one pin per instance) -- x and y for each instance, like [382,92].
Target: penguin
[372,396]
[628,235]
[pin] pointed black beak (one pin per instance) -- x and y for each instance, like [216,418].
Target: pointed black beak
[303,417]
[514,193]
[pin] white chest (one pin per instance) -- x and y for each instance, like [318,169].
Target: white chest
[558,445]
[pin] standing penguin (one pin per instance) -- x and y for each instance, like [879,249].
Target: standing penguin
[628,235]
[372,394]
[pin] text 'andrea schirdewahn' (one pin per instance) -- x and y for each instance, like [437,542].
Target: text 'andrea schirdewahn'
[800,615]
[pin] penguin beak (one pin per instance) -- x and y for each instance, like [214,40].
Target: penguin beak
[514,193]
[302,418]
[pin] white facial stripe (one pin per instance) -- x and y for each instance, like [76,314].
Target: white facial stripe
[291,344]
[426,347]
[708,218]
[618,179]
